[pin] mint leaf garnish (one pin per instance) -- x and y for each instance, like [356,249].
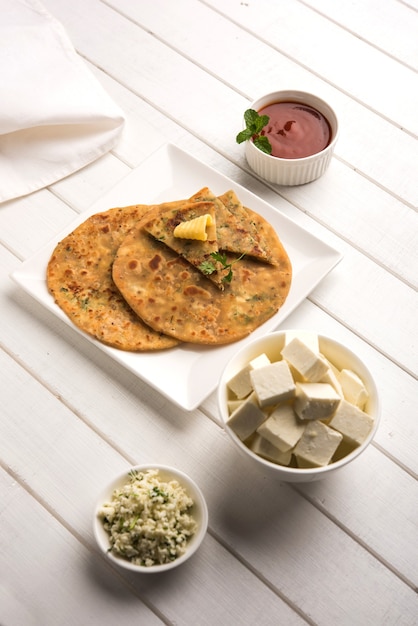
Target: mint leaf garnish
[254,125]
[207,267]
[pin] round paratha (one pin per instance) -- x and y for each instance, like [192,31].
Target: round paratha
[79,277]
[175,298]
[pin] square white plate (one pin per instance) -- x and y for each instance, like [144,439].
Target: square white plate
[188,373]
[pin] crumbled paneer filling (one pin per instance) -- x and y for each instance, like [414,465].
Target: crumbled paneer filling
[149,520]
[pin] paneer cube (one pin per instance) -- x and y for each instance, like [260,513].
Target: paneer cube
[308,364]
[310,339]
[331,366]
[317,445]
[353,388]
[273,383]
[315,401]
[352,423]
[241,384]
[331,378]
[264,448]
[245,420]
[233,404]
[283,428]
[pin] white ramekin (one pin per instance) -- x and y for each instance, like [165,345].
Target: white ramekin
[166,473]
[292,171]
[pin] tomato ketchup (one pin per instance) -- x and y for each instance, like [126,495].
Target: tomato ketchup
[295,130]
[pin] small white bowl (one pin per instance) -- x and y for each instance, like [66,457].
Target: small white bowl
[166,473]
[336,353]
[290,172]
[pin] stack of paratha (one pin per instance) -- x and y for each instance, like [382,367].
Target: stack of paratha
[124,277]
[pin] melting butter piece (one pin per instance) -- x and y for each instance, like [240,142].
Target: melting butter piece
[194,229]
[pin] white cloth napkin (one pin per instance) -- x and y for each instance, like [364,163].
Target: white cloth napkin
[55,117]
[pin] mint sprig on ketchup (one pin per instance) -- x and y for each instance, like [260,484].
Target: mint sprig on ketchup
[288,130]
[254,125]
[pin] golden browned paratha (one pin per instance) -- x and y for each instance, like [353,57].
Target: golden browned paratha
[236,231]
[232,230]
[161,222]
[79,277]
[176,299]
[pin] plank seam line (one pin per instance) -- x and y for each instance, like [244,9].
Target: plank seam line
[305,67]
[312,501]
[391,458]
[79,537]
[406,4]
[316,502]
[315,219]
[410,205]
[131,460]
[249,98]
[358,36]
[265,42]
[369,343]
[262,578]
[343,239]
[42,502]
[97,431]
[12,251]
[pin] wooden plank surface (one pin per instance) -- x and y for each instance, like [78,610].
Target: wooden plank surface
[340,551]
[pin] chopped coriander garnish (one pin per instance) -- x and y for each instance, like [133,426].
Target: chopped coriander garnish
[207,267]
[156,492]
[254,125]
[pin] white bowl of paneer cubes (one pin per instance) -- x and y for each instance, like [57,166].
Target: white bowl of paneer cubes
[299,404]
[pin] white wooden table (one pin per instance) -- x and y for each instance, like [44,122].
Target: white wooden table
[343,551]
